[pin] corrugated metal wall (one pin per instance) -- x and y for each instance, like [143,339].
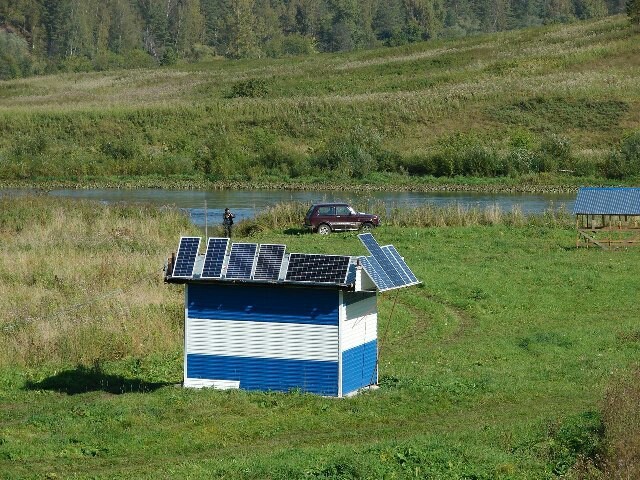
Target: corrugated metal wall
[264,337]
[359,343]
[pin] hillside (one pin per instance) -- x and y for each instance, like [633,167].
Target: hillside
[557,100]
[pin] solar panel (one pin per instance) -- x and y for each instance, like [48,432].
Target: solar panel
[305,267]
[401,267]
[351,274]
[269,262]
[216,249]
[186,258]
[376,252]
[376,273]
[607,201]
[241,260]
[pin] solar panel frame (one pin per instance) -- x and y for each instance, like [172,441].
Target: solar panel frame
[241,261]
[214,257]
[401,266]
[318,268]
[387,265]
[269,261]
[186,257]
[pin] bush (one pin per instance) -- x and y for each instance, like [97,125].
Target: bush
[554,154]
[252,88]
[354,155]
[125,149]
[624,162]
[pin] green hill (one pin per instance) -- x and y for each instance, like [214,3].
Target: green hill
[560,100]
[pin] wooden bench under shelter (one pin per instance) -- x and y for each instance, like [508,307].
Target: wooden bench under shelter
[607,217]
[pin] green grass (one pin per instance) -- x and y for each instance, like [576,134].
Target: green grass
[498,366]
[398,106]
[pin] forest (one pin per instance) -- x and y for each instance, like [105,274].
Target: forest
[47,36]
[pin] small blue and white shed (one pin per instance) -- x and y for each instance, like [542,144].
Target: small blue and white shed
[258,318]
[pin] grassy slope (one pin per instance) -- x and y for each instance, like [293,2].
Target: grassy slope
[493,369]
[577,80]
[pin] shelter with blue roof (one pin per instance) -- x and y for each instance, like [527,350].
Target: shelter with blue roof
[608,217]
[259,318]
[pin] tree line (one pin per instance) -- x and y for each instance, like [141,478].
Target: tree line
[39,36]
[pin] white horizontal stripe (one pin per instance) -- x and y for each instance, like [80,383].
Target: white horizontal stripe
[359,331]
[218,384]
[292,341]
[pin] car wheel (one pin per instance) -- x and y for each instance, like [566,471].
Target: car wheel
[366,226]
[324,229]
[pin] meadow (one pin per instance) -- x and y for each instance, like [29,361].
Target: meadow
[516,358]
[557,104]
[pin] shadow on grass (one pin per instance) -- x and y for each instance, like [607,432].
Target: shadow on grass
[296,231]
[92,379]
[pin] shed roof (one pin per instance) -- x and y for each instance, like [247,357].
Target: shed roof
[607,201]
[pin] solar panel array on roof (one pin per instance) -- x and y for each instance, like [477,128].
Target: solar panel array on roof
[186,257]
[241,261]
[269,262]
[607,201]
[317,268]
[386,268]
[214,258]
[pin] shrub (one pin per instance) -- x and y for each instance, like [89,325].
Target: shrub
[625,161]
[121,149]
[252,88]
[354,155]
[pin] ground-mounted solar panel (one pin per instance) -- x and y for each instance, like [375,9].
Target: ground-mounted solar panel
[241,261]
[376,273]
[214,258]
[401,266]
[305,267]
[387,265]
[607,201]
[186,257]
[269,262]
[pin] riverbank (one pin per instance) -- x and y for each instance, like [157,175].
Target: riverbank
[541,184]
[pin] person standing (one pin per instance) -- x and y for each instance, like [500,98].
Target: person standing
[227,222]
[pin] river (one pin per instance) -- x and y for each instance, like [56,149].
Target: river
[247,203]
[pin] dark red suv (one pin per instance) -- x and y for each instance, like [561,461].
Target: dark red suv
[327,217]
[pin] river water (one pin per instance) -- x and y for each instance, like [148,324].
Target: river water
[247,203]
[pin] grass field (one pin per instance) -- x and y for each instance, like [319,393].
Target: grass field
[512,360]
[552,99]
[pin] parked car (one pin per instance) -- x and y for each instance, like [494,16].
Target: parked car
[325,218]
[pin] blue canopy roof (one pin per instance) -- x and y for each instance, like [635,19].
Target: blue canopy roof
[607,201]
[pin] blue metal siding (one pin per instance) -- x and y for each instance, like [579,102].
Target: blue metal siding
[263,304]
[359,367]
[267,373]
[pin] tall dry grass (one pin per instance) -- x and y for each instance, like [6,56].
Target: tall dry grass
[291,214]
[81,281]
[622,427]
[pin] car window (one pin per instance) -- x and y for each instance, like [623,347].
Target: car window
[325,210]
[343,210]
[309,212]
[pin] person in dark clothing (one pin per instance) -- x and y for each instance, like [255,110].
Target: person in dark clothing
[227,222]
